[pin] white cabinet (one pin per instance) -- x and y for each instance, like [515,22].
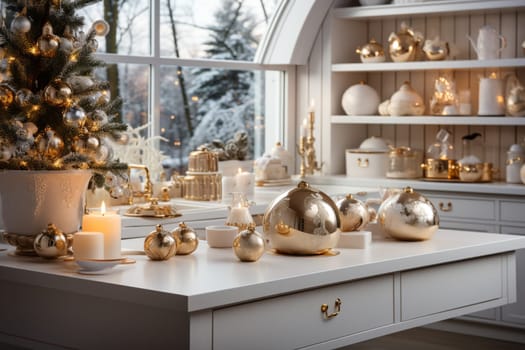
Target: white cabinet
[334,66]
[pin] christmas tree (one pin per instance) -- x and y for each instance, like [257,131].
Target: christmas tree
[54,113]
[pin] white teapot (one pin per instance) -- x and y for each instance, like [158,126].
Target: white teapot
[489,43]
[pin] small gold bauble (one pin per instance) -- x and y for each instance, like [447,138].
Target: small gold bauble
[187,239]
[51,243]
[354,214]
[160,245]
[248,245]
[57,93]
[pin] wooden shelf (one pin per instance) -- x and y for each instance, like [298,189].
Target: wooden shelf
[425,8]
[428,65]
[428,120]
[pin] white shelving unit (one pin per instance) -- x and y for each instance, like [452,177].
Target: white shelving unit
[350,27]
[334,66]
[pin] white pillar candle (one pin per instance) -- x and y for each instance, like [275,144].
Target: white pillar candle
[88,245]
[228,186]
[109,223]
[245,182]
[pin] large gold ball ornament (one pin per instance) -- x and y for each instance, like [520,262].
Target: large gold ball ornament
[57,93]
[160,244]
[249,245]
[51,243]
[408,216]
[302,221]
[187,239]
[354,213]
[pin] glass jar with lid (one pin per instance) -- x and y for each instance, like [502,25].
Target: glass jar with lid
[404,163]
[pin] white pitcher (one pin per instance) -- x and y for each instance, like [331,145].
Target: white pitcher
[489,44]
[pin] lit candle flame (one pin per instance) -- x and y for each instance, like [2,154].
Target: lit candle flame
[103,208]
[239,171]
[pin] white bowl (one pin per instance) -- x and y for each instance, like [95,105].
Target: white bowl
[221,236]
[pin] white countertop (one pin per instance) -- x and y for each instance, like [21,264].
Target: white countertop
[211,278]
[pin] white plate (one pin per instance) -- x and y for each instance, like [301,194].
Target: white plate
[97,264]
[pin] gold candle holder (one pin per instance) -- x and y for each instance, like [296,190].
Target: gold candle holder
[306,149]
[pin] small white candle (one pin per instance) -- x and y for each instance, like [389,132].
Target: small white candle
[88,245]
[229,185]
[245,182]
[304,128]
[109,223]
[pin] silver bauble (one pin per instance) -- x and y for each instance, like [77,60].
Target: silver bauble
[302,221]
[408,215]
[354,214]
[249,245]
[160,244]
[92,143]
[100,118]
[103,153]
[116,192]
[80,83]
[23,97]
[20,24]
[51,243]
[187,239]
[74,116]
[57,93]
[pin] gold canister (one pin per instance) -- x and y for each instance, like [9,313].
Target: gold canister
[203,160]
[371,52]
[202,187]
[440,168]
[470,172]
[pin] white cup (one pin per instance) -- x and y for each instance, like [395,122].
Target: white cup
[221,236]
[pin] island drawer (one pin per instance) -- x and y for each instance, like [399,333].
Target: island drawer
[430,290]
[296,320]
[512,211]
[450,207]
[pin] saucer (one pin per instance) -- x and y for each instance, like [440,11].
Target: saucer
[92,265]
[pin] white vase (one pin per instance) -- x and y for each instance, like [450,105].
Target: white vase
[30,200]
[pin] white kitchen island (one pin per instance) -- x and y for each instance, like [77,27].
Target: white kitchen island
[210,300]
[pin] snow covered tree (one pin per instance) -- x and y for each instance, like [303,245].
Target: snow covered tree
[226,96]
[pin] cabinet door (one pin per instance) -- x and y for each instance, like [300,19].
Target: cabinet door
[515,313]
[468,226]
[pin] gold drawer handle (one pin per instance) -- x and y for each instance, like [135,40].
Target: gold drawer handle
[362,163]
[337,308]
[447,208]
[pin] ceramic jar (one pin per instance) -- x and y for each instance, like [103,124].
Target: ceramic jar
[436,49]
[370,160]
[406,101]
[515,161]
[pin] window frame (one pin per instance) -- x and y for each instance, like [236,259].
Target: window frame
[279,101]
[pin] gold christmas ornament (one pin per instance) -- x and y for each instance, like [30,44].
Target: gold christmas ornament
[248,245]
[54,146]
[48,43]
[80,83]
[160,244]
[7,95]
[354,214]
[187,239]
[51,243]
[302,221]
[58,93]
[100,27]
[408,215]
